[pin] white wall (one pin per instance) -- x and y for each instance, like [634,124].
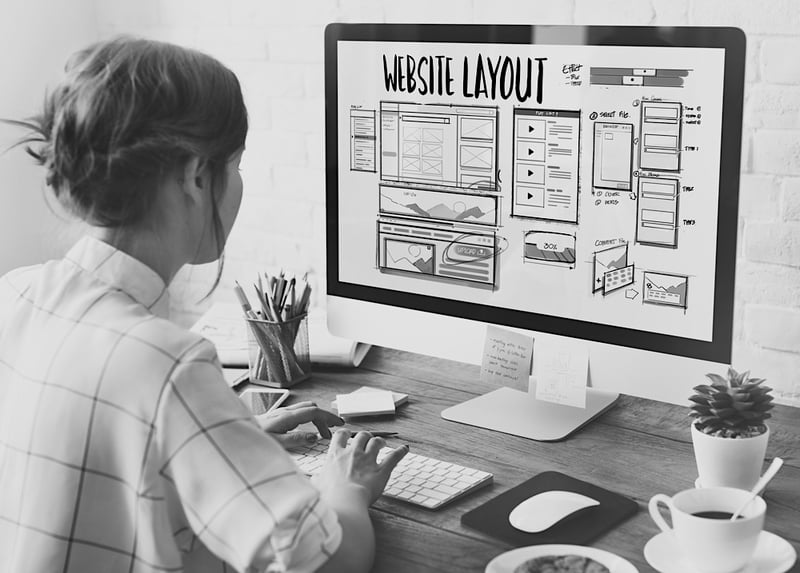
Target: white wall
[276,48]
[35,39]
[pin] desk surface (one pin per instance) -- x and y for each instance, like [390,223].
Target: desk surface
[639,448]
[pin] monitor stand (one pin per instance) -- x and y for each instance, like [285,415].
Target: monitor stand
[521,414]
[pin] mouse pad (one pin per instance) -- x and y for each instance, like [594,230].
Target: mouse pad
[579,528]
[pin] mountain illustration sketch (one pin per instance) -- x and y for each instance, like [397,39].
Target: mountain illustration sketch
[443,211]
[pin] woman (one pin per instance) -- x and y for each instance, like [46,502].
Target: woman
[121,447]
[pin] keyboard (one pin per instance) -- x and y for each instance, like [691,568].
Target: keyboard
[420,480]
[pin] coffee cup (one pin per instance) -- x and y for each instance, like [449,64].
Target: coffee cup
[702,528]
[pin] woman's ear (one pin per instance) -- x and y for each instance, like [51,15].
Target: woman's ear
[196,179]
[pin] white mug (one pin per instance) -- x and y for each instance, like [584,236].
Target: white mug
[711,545]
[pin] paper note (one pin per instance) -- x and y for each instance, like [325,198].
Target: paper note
[561,370]
[372,403]
[506,358]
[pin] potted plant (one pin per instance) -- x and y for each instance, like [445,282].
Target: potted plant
[729,433]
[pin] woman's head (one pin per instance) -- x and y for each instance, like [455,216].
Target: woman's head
[128,113]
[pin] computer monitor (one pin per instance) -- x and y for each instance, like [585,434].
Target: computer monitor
[573,182]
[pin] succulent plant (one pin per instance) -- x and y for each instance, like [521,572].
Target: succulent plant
[732,407]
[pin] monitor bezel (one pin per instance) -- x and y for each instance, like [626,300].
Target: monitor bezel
[732,40]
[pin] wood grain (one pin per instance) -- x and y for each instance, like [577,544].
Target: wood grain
[639,448]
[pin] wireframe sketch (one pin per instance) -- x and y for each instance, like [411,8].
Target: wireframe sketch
[665,289]
[660,139]
[613,155]
[613,262]
[438,250]
[362,140]
[439,205]
[657,212]
[549,248]
[649,77]
[445,145]
[546,156]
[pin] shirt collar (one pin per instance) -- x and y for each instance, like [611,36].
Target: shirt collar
[122,271]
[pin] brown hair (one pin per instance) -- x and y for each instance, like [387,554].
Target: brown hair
[128,111]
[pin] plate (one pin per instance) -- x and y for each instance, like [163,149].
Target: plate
[773,554]
[510,560]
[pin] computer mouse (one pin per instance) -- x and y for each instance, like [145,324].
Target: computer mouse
[543,510]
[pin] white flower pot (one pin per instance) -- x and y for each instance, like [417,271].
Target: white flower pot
[729,462]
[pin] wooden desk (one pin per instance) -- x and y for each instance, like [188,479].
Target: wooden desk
[639,448]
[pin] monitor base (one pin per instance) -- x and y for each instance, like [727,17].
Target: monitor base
[521,414]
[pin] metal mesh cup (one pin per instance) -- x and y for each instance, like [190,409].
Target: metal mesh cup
[278,351]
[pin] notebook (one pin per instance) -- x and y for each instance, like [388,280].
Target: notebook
[580,528]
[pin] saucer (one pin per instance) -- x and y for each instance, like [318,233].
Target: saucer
[773,554]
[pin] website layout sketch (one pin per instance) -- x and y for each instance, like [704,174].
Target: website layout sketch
[438,202]
[546,156]
[453,146]
[648,77]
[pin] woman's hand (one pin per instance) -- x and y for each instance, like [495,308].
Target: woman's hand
[280,423]
[355,464]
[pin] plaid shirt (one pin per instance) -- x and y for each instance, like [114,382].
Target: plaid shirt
[121,446]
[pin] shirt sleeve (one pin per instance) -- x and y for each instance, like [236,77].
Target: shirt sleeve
[243,495]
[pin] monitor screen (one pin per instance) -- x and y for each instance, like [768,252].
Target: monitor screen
[578,181]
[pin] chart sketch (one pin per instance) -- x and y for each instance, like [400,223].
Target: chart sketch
[550,248]
[610,269]
[657,212]
[362,140]
[546,157]
[665,289]
[648,77]
[613,156]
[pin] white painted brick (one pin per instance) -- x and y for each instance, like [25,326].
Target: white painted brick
[614,12]
[360,11]
[770,17]
[294,114]
[257,13]
[759,197]
[112,15]
[180,35]
[773,327]
[516,12]
[776,151]
[193,12]
[232,44]
[266,80]
[303,44]
[791,199]
[766,283]
[779,61]
[313,79]
[315,150]
[780,369]
[428,11]
[281,148]
[752,69]
[671,12]
[300,183]
[773,106]
[773,243]
[747,150]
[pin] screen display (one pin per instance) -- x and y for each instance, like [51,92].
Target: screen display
[568,184]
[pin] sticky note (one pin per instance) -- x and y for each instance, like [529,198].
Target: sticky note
[506,358]
[372,403]
[561,370]
[399,397]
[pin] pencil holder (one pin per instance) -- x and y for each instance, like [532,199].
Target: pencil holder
[278,351]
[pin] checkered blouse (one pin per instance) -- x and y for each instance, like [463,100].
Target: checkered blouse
[121,447]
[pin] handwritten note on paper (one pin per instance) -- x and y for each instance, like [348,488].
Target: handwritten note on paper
[561,372]
[506,358]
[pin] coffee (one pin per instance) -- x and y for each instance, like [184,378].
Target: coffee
[715,515]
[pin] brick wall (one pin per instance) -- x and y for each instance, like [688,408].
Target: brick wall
[276,48]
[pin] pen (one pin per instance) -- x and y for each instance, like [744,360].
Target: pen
[248,310]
